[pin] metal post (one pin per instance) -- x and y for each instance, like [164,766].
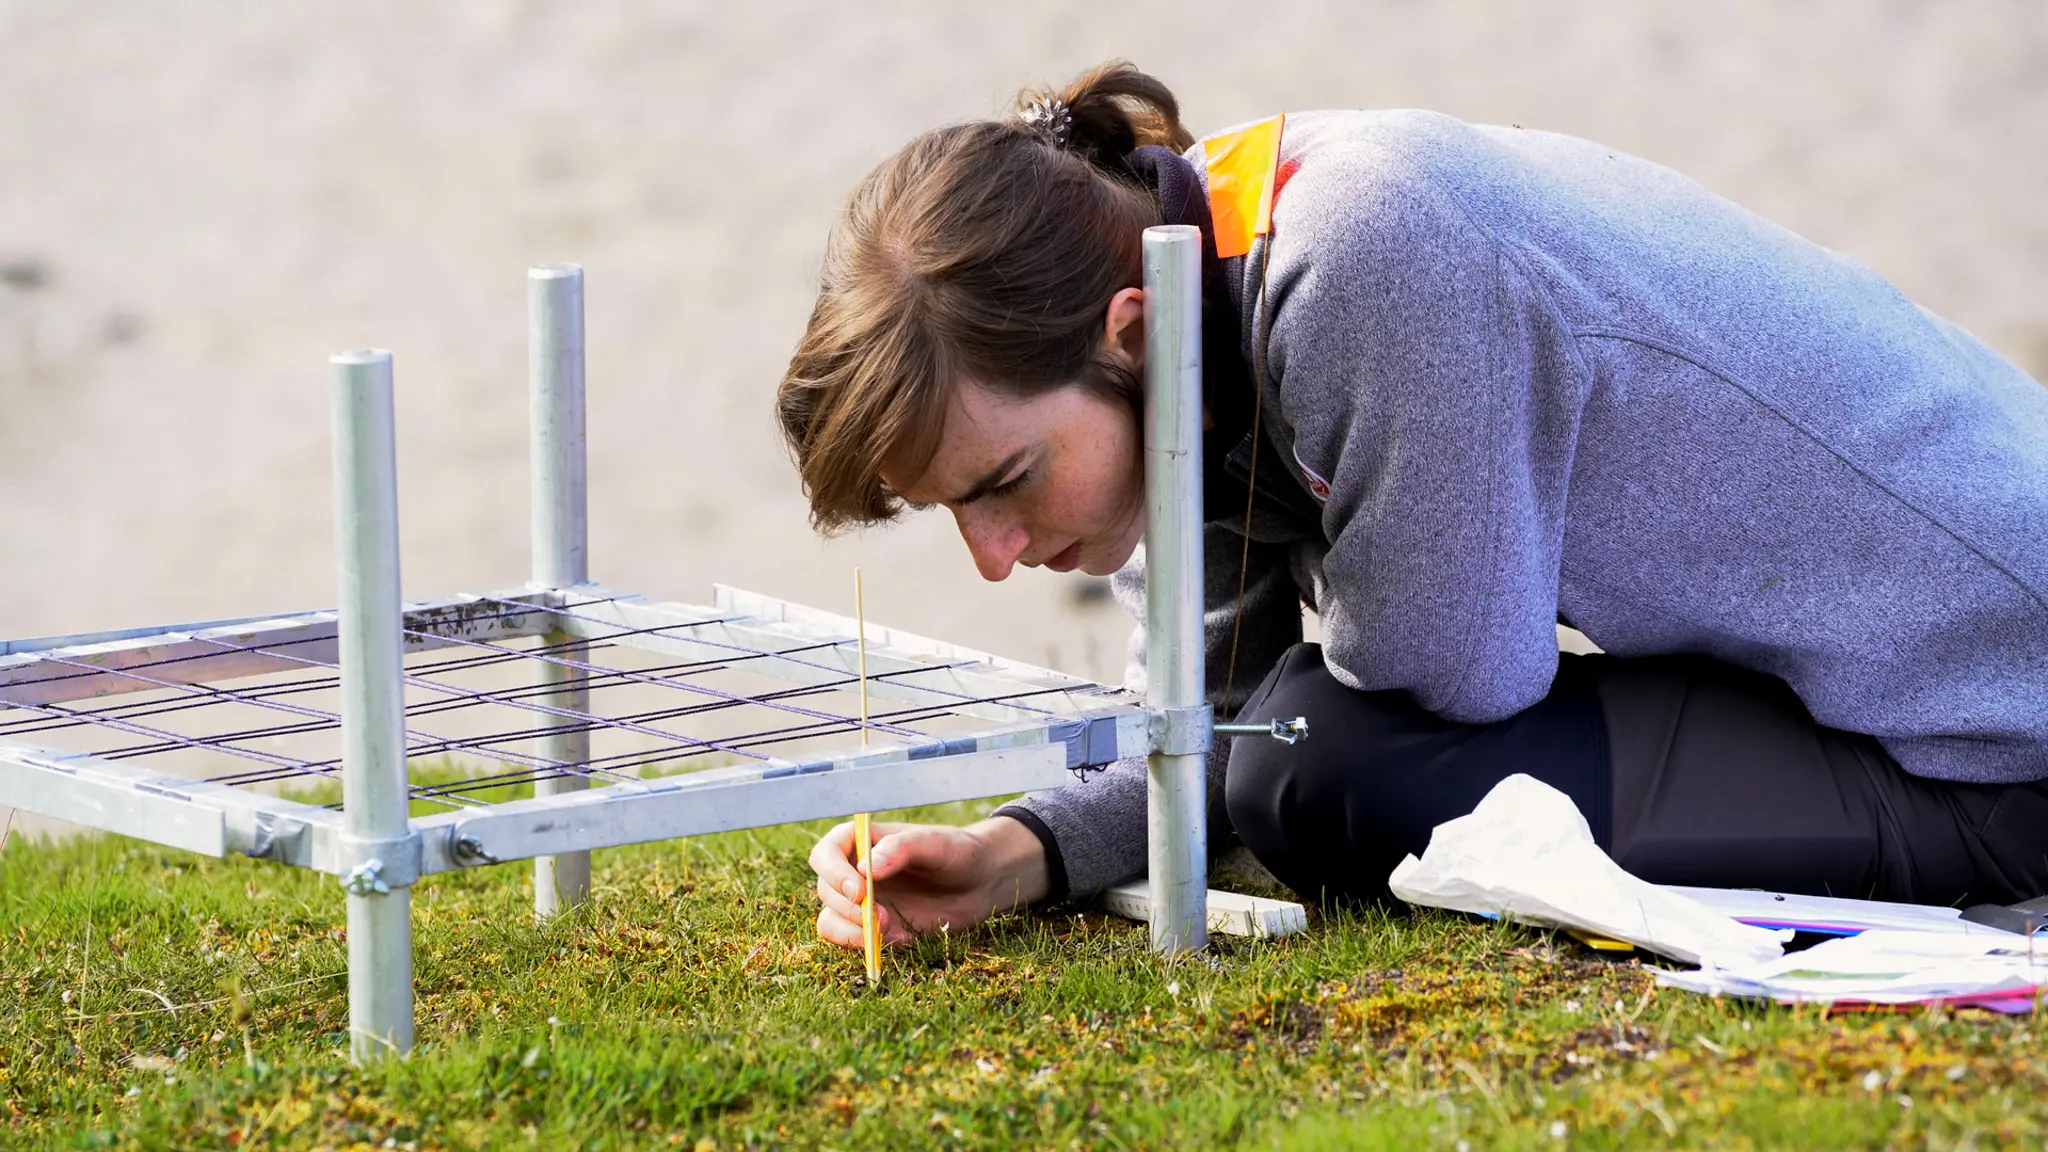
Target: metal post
[561,539]
[1176,823]
[373,779]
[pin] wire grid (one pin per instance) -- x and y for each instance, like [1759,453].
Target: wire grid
[476,714]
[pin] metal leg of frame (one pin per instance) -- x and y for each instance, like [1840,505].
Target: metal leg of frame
[561,539]
[1176,825]
[372,700]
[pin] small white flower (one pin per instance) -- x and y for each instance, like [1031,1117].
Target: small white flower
[1557,1129]
[1173,987]
[1571,1005]
[1957,1072]
[1464,1146]
[1873,1080]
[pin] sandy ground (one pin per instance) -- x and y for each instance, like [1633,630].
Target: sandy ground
[199,201]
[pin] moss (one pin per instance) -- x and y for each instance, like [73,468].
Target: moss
[153,999]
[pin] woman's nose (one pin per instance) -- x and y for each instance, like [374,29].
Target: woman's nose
[995,541]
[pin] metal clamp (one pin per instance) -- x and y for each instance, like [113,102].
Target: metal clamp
[1286,731]
[368,866]
[1180,731]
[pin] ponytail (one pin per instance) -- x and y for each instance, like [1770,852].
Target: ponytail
[1105,114]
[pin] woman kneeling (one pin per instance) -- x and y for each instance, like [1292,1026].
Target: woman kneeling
[1461,384]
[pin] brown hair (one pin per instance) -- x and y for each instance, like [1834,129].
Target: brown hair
[985,251]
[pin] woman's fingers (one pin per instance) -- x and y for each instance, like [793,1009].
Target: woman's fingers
[941,857]
[835,927]
[832,858]
[932,848]
[894,847]
[838,900]
[894,934]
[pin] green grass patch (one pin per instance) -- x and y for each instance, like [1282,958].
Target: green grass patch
[151,999]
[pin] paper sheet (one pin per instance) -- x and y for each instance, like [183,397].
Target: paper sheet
[1830,914]
[1525,852]
[2000,970]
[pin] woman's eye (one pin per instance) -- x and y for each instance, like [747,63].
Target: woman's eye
[1012,484]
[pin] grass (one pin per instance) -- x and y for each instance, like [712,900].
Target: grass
[151,999]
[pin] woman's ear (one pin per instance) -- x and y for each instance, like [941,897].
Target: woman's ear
[1123,333]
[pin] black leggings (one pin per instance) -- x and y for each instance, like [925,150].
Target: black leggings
[1690,771]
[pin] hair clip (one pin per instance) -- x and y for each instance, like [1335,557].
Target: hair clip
[1048,116]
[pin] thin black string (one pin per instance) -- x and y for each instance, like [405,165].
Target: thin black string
[1251,484]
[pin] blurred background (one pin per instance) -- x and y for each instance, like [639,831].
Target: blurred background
[200,201]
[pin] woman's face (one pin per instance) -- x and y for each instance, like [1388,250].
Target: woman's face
[1055,480]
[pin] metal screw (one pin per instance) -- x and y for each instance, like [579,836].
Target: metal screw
[469,848]
[364,878]
[1286,731]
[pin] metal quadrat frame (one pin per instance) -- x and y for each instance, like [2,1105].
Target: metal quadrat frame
[389,678]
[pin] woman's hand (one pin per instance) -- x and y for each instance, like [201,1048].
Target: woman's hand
[927,876]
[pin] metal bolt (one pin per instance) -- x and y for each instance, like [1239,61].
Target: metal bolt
[469,848]
[364,878]
[1286,731]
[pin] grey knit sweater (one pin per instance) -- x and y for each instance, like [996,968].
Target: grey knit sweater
[1525,378]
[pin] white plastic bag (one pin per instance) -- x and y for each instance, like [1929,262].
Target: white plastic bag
[1526,853]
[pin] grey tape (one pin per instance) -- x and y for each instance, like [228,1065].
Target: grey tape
[1090,741]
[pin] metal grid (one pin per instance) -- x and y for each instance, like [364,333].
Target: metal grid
[475,711]
[668,698]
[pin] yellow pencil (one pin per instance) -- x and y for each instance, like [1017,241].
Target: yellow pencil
[863,836]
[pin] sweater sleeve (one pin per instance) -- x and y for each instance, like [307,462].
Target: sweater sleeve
[1433,388]
[1094,831]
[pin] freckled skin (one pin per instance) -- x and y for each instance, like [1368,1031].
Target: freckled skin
[1082,500]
